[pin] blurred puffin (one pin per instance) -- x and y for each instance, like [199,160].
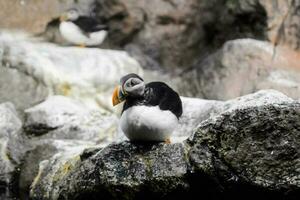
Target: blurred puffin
[150,112]
[81,30]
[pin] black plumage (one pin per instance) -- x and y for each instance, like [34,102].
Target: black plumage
[157,93]
[89,24]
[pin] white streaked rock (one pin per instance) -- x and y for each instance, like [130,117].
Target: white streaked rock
[61,117]
[88,74]
[10,150]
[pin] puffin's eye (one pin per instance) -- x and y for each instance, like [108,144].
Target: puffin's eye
[132,82]
[128,84]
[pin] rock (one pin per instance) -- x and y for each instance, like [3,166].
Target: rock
[63,118]
[168,33]
[253,146]
[11,150]
[59,128]
[56,155]
[180,33]
[45,69]
[20,84]
[176,33]
[283,20]
[250,148]
[194,112]
[242,67]
[119,171]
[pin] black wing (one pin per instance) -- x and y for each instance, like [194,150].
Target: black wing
[158,93]
[88,24]
[165,97]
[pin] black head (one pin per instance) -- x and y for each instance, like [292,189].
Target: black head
[131,85]
[70,15]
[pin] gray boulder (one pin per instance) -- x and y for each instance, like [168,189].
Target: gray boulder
[36,70]
[122,170]
[64,118]
[256,142]
[242,67]
[175,33]
[60,128]
[11,148]
[251,148]
[171,34]
[194,112]
[167,33]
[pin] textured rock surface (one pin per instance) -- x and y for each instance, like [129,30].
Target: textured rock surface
[194,112]
[60,117]
[119,171]
[160,31]
[242,67]
[14,84]
[178,33]
[52,166]
[11,151]
[175,33]
[251,148]
[283,22]
[46,69]
[60,128]
[255,143]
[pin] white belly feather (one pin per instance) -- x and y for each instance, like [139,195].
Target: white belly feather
[148,123]
[74,35]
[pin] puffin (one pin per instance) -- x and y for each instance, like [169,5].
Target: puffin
[81,30]
[150,112]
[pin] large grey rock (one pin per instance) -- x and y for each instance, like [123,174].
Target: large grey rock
[61,128]
[251,148]
[255,143]
[194,112]
[11,150]
[177,33]
[167,33]
[60,117]
[242,67]
[283,20]
[14,85]
[119,171]
[51,159]
[36,69]
[172,33]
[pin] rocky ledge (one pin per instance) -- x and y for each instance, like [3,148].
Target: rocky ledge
[248,147]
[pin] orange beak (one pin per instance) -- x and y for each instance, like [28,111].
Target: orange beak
[116,99]
[63,18]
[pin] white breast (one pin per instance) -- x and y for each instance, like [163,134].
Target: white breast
[148,123]
[72,33]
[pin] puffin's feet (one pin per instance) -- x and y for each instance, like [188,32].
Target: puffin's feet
[168,141]
[82,46]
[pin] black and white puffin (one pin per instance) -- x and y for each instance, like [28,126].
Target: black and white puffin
[150,112]
[81,30]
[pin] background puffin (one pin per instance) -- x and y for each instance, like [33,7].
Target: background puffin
[150,112]
[81,30]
